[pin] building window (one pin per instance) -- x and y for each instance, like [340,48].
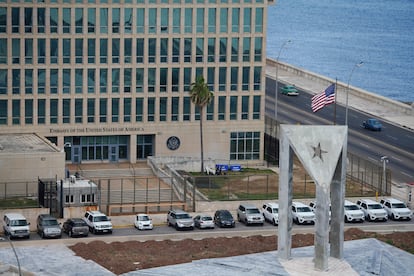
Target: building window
[54,108]
[69,199]
[41,51]
[103,50]
[152,21]
[127,80]
[245,108]
[151,79]
[164,50]
[186,108]
[103,20]
[87,198]
[3,112]
[116,19]
[139,78]
[244,145]
[79,20]
[115,110]
[41,111]
[54,51]
[152,45]
[212,20]
[211,48]
[245,78]
[128,50]
[91,110]
[54,77]
[78,111]
[66,50]
[188,20]
[103,110]
[259,20]
[222,108]
[28,51]
[222,78]
[115,80]
[66,20]
[15,50]
[257,81]
[234,76]
[15,20]
[54,20]
[16,81]
[233,108]
[128,20]
[140,50]
[210,110]
[163,79]
[164,20]
[246,49]
[211,72]
[91,50]
[140,20]
[151,109]
[223,50]
[200,20]
[163,109]
[139,106]
[115,50]
[16,112]
[175,79]
[247,20]
[28,111]
[66,111]
[3,20]
[103,80]
[187,78]
[66,81]
[28,20]
[224,20]
[175,108]
[256,107]
[176,50]
[258,49]
[127,110]
[3,81]
[28,81]
[91,20]
[234,49]
[235,20]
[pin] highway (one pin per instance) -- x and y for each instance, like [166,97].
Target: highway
[395,142]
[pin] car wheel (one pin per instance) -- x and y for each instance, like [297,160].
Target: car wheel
[42,235]
[238,218]
[274,222]
[176,227]
[392,217]
[94,231]
[346,219]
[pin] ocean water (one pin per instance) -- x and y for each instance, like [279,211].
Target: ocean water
[329,37]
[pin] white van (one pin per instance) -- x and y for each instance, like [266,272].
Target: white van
[15,225]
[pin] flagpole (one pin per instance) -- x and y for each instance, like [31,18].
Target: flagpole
[336,85]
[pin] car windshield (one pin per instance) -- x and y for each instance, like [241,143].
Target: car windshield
[183,216]
[100,218]
[374,206]
[79,223]
[206,218]
[143,218]
[252,211]
[275,210]
[50,222]
[398,205]
[351,207]
[19,222]
[304,209]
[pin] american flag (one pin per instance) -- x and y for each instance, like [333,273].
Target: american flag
[324,98]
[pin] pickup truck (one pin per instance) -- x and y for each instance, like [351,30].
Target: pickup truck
[372,124]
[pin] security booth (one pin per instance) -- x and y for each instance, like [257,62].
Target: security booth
[76,195]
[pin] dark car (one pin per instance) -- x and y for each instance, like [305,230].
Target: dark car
[76,227]
[223,218]
[372,124]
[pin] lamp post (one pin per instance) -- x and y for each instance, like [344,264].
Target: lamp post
[359,64]
[384,160]
[277,67]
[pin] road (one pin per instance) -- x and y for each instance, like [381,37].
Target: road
[395,142]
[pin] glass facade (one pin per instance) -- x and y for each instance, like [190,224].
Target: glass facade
[80,63]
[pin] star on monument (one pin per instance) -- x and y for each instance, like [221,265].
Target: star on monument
[318,151]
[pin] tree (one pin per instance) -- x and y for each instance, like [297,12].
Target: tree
[200,96]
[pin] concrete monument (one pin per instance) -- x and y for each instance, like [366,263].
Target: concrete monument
[322,151]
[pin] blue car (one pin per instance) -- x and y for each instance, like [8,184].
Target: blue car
[372,124]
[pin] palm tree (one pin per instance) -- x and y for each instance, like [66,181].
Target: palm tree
[200,96]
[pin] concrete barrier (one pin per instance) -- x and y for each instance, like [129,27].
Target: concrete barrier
[373,98]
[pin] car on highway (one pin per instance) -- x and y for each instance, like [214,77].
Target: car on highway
[143,222]
[302,213]
[223,218]
[372,124]
[75,227]
[249,214]
[180,219]
[271,212]
[289,90]
[373,210]
[204,221]
[396,209]
[352,213]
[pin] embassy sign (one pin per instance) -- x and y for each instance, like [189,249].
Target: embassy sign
[96,130]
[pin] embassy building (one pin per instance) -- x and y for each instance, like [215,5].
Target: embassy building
[109,80]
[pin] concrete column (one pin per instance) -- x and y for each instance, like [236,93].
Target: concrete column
[285,197]
[133,148]
[322,226]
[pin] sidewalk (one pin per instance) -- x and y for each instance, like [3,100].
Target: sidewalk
[353,102]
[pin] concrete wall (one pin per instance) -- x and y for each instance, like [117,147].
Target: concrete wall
[342,87]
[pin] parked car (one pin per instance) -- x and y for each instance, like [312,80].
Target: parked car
[143,222]
[48,227]
[203,221]
[290,90]
[223,218]
[15,225]
[396,209]
[180,219]
[249,214]
[373,210]
[352,212]
[76,227]
[271,212]
[98,222]
[372,124]
[302,213]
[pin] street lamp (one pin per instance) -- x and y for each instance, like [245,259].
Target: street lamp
[384,160]
[277,67]
[359,64]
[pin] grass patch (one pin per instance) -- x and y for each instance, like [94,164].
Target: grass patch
[18,202]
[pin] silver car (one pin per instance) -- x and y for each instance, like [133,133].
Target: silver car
[203,221]
[180,219]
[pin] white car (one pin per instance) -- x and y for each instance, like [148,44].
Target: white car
[312,205]
[271,212]
[98,222]
[143,222]
[204,221]
[372,210]
[396,209]
[352,212]
[302,213]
